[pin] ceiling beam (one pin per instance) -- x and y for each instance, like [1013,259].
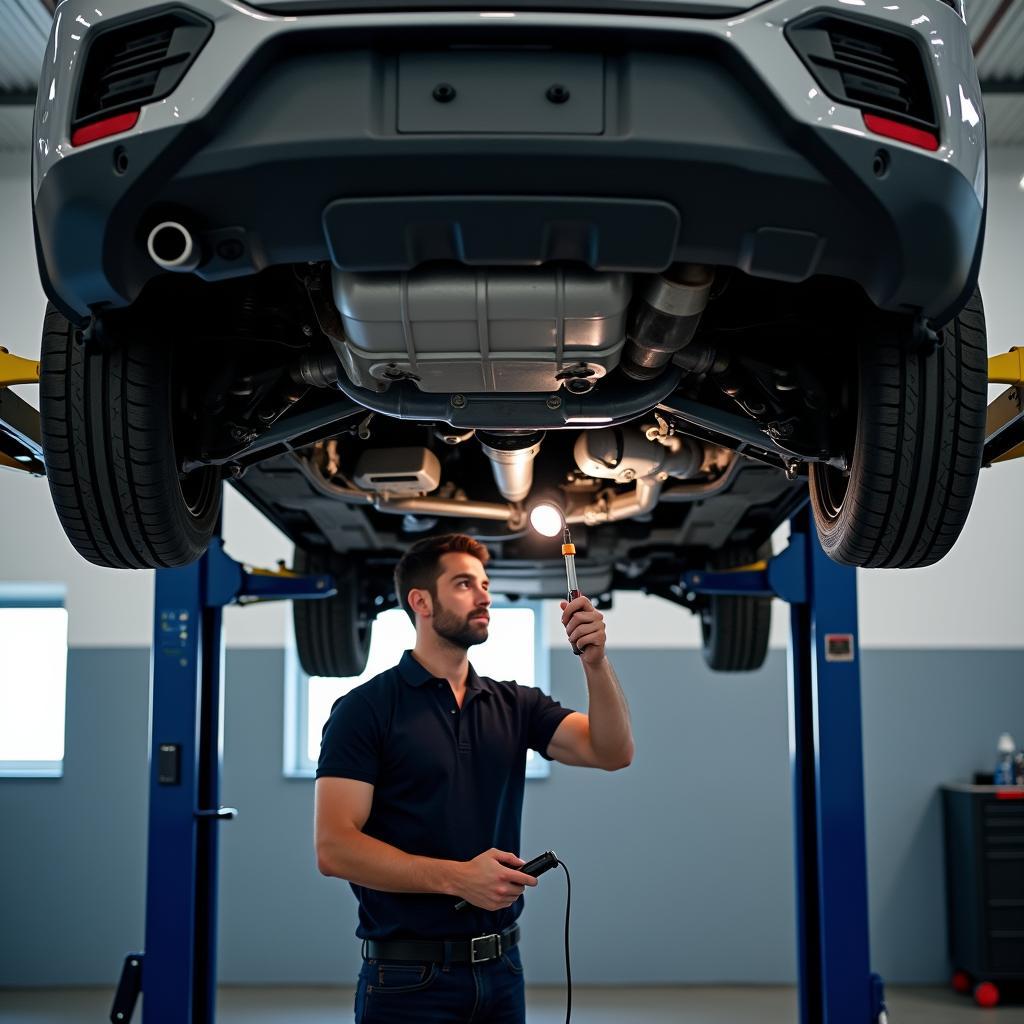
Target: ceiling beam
[22,98]
[991,25]
[1003,86]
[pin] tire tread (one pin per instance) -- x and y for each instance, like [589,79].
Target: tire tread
[917,454]
[105,418]
[328,637]
[740,628]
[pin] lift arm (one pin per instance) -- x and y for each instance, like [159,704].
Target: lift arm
[783,576]
[20,434]
[1004,429]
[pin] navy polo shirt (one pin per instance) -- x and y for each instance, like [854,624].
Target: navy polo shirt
[448,783]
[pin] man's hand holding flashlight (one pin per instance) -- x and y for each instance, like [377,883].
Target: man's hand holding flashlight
[584,626]
[490,881]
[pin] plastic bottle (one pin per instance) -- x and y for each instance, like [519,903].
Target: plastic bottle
[1005,769]
[1018,765]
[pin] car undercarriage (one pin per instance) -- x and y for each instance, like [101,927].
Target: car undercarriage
[676,268]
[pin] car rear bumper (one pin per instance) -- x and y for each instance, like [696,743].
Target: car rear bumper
[318,137]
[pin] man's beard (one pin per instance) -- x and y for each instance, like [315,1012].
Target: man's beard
[458,631]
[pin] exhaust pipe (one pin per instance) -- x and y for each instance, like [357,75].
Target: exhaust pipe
[667,319]
[512,458]
[171,246]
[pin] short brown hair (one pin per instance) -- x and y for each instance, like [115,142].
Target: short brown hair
[420,567]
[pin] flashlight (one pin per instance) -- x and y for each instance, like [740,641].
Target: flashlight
[547,518]
[569,552]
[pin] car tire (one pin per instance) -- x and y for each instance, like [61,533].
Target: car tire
[735,630]
[916,452]
[107,418]
[332,634]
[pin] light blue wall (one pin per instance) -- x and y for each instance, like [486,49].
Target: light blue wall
[681,865]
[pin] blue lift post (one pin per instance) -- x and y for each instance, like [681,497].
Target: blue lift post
[836,983]
[177,972]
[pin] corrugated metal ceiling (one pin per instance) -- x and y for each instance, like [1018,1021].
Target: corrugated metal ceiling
[1001,57]
[24,26]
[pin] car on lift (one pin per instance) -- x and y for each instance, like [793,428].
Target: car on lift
[394,267]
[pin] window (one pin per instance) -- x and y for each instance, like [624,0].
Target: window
[515,650]
[33,679]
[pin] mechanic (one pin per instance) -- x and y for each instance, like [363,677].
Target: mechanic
[419,796]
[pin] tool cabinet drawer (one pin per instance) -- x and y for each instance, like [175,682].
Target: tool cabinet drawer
[984,841]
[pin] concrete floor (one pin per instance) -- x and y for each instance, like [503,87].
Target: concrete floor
[591,1005]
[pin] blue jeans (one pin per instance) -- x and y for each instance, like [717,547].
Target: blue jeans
[400,992]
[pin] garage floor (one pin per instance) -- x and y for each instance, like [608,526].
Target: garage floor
[698,1005]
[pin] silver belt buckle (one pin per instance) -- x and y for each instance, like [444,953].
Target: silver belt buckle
[480,958]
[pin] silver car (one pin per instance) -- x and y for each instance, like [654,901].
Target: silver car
[400,267]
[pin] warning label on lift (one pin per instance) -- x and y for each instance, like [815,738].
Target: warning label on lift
[839,647]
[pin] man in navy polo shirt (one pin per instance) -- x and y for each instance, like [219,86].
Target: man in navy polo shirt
[419,796]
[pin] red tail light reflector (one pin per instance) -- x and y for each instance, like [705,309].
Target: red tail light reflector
[901,132]
[101,129]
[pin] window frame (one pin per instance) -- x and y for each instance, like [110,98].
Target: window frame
[296,763]
[27,594]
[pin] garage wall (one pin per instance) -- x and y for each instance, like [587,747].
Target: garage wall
[690,847]
[937,606]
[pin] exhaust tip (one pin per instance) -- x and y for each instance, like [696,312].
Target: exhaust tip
[172,247]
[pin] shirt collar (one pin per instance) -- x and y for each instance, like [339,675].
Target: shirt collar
[416,675]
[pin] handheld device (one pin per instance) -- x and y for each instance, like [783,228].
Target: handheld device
[569,553]
[536,867]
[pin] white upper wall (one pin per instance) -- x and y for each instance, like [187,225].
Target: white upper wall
[973,598]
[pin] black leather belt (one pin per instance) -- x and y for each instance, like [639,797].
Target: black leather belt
[457,951]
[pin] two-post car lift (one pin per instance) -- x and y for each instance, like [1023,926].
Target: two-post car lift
[177,971]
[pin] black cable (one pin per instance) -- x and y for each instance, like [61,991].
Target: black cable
[568,968]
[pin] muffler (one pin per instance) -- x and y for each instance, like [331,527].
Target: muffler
[624,454]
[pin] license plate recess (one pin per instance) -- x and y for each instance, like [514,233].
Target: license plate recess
[501,92]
